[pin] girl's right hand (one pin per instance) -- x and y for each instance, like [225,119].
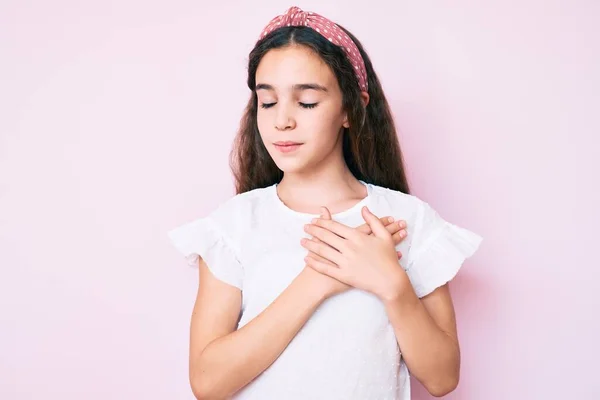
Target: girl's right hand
[325,285]
[329,286]
[321,285]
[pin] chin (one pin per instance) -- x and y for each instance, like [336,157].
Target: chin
[291,166]
[288,163]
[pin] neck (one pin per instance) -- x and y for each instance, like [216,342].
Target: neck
[329,183]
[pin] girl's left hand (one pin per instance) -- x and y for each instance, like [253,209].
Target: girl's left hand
[367,262]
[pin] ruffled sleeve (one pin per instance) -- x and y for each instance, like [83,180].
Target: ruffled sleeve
[202,238]
[437,251]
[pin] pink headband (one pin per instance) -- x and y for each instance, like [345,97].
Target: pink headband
[329,30]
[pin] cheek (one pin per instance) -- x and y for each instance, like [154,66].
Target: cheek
[322,127]
[262,121]
[260,118]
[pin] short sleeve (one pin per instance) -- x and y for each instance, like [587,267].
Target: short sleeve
[437,251]
[203,238]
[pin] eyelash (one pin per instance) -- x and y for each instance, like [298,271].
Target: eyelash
[303,105]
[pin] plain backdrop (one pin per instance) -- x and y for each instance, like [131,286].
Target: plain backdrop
[116,122]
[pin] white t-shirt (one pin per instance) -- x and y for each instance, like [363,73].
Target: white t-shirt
[347,349]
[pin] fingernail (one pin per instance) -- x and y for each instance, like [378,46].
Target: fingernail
[303,241]
[402,233]
[391,219]
[402,224]
[314,221]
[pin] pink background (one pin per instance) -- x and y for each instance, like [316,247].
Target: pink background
[116,120]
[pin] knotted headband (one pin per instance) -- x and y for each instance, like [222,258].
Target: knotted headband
[294,16]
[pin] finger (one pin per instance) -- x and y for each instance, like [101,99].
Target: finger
[326,236]
[399,236]
[323,250]
[325,214]
[397,226]
[339,229]
[326,269]
[319,258]
[366,229]
[393,228]
[375,224]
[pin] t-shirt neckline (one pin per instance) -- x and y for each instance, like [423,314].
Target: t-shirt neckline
[356,207]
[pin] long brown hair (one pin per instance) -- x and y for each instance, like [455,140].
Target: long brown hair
[371,148]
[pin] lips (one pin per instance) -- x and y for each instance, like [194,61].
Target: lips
[287,146]
[286,143]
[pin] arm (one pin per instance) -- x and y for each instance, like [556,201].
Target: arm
[425,329]
[426,333]
[223,359]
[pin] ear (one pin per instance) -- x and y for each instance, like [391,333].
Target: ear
[364,97]
[345,122]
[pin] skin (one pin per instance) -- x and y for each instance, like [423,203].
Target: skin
[300,101]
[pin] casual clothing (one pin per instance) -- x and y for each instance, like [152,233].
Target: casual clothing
[347,349]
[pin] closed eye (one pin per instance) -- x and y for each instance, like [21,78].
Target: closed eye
[303,105]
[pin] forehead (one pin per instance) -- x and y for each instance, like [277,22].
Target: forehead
[292,65]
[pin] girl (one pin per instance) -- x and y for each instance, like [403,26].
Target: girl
[301,292]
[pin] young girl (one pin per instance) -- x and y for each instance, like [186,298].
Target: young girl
[301,292]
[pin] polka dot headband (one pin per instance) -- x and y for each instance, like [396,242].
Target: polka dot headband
[329,30]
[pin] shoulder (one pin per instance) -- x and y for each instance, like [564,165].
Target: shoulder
[422,219]
[409,205]
[236,218]
[240,207]
[227,223]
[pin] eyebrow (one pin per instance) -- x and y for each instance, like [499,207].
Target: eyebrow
[297,88]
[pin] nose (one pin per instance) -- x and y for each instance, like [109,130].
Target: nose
[284,120]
